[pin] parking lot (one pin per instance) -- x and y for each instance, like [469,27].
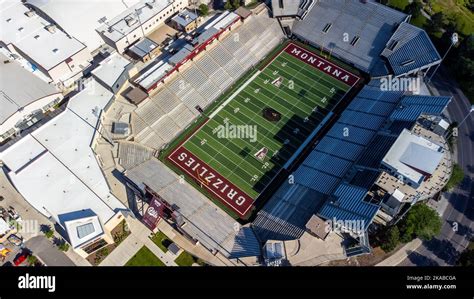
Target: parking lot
[26,227]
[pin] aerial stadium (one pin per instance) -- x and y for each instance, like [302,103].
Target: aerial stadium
[254,132]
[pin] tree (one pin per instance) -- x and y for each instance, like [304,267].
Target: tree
[420,221]
[466,258]
[63,246]
[392,239]
[414,9]
[49,232]
[236,4]
[32,260]
[228,5]
[436,23]
[203,9]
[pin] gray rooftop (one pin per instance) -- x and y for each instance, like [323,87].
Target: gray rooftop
[19,88]
[371,22]
[143,47]
[184,18]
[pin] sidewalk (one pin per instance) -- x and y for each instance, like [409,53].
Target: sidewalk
[137,239]
[401,254]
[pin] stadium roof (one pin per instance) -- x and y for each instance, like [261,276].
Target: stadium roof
[413,156]
[19,88]
[55,169]
[410,49]
[111,69]
[369,26]
[29,34]
[81,18]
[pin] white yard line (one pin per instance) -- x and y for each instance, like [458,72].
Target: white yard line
[234,94]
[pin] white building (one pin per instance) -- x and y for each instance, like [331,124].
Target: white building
[61,57]
[113,72]
[24,98]
[56,170]
[80,19]
[138,21]
[412,158]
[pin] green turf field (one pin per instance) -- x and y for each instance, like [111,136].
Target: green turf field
[302,100]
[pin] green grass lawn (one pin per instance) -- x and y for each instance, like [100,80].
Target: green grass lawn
[158,239]
[458,11]
[184,259]
[144,257]
[399,4]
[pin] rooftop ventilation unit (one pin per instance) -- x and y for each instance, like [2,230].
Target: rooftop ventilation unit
[51,28]
[327,27]
[130,20]
[30,13]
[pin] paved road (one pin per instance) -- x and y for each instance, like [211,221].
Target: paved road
[445,249]
[47,252]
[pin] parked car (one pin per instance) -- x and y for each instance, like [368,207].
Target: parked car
[21,258]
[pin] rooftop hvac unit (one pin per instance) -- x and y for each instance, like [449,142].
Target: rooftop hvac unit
[130,20]
[30,13]
[51,28]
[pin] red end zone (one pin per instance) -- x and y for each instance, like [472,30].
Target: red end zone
[210,179]
[322,64]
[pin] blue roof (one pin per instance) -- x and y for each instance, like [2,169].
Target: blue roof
[410,49]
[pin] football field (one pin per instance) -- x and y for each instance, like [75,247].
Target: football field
[247,140]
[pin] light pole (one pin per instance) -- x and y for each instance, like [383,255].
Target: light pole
[454,40]
[459,125]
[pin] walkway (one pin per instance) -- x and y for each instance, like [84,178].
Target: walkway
[137,239]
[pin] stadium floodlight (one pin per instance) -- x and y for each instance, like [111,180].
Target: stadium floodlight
[454,41]
[464,119]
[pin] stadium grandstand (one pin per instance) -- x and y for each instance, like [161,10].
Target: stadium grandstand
[334,179]
[375,38]
[170,110]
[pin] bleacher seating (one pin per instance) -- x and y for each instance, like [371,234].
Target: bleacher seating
[172,108]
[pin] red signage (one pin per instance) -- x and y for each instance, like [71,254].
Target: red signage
[322,64]
[210,179]
[152,214]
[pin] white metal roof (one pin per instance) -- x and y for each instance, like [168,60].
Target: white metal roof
[64,176]
[80,18]
[19,88]
[110,70]
[413,156]
[31,37]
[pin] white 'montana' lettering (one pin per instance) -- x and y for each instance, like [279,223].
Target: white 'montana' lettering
[313,60]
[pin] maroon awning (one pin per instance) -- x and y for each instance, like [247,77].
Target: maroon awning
[152,214]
